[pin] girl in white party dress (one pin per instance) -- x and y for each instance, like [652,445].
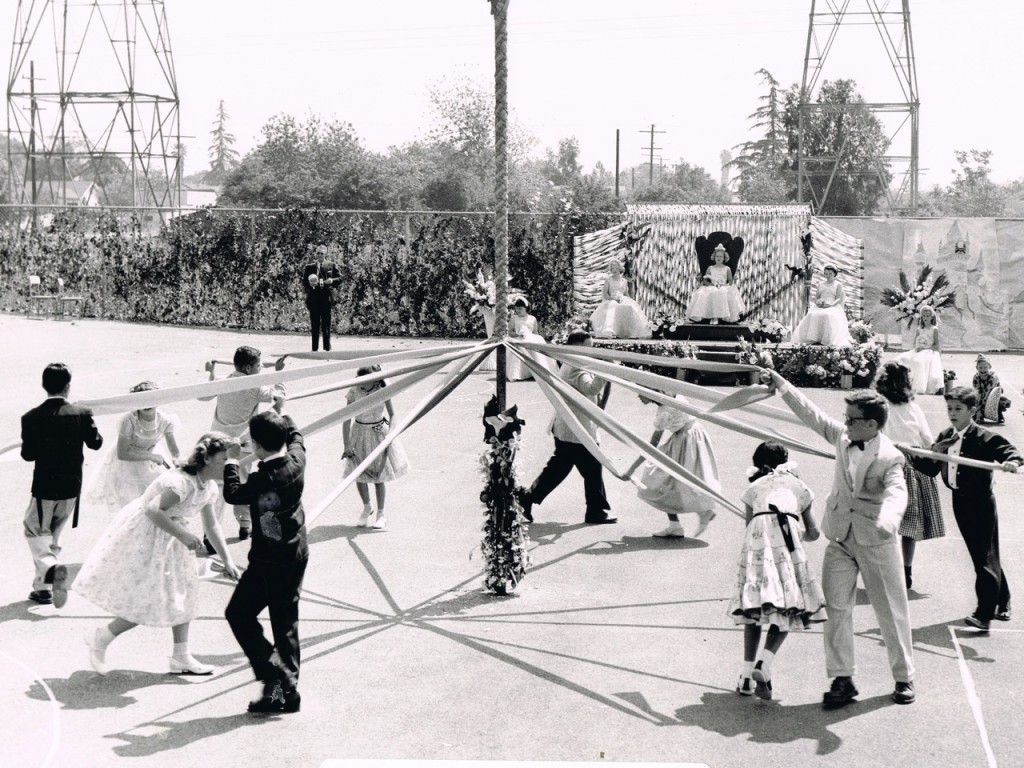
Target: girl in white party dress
[923,360]
[523,327]
[361,435]
[825,321]
[618,316]
[136,460]
[717,298]
[689,445]
[774,586]
[143,568]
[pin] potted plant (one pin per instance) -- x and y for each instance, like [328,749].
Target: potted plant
[948,377]
[768,330]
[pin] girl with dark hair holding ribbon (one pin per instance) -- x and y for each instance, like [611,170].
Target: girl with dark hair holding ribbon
[143,569]
[774,586]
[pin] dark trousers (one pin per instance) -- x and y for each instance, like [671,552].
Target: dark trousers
[275,586]
[979,525]
[567,456]
[320,323]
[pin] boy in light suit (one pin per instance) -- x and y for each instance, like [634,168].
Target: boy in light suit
[861,520]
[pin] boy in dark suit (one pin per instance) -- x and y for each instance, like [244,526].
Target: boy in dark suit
[52,436]
[277,557]
[318,279]
[974,504]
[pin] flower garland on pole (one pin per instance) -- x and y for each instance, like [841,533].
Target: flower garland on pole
[907,302]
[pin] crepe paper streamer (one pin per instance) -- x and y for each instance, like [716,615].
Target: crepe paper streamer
[372,377]
[742,397]
[616,355]
[653,380]
[452,380]
[210,389]
[622,433]
[967,462]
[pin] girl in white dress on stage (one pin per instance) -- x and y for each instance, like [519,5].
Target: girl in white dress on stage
[136,460]
[618,316]
[523,327]
[717,298]
[774,587]
[688,444]
[825,321]
[143,568]
[923,360]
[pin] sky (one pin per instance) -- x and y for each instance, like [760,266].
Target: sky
[582,68]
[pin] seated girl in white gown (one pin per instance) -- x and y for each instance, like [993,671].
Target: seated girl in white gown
[825,321]
[923,360]
[523,327]
[618,316]
[717,298]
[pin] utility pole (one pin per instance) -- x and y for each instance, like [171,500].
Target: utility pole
[650,149]
[32,130]
[616,163]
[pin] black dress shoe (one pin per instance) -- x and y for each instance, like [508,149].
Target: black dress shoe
[602,519]
[904,693]
[1002,614]
[523,494]
[842,692]
[974,621]
[41,596]
[243,533]
[272,699]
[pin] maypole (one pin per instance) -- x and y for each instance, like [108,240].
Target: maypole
[504,545]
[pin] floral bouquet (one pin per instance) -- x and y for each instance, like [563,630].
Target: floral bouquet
[816,372]
[665,325]
[907,301]
[861,331]
[949,375]
[480,292]
[752,354]
[769,328]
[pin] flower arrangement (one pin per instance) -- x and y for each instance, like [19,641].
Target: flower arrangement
[666,326]
[949,375]
[480,292]
[768,329]
[753,354]
[861,331]
[816,365]
[816,372]
[927,291]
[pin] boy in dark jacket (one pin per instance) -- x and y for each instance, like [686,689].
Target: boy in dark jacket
[974,504]
[277,556]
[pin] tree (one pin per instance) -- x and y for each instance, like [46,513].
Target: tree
[223,156]
[844,150]
[972,192]
[315,164]
[563,167]
[761,163]
[685,183]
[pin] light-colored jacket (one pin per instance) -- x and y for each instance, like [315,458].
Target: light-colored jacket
[873,502]
[589,386]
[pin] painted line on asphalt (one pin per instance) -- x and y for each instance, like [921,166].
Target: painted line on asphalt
[54,709]
[972,692]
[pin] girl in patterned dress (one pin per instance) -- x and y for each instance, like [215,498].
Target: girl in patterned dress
[361,435]
[136,460]
[143,568]
[774,587]
[907,425]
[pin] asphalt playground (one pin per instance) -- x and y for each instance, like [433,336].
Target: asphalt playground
[615,648]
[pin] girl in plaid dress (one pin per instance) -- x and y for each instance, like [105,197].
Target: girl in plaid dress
[907,424]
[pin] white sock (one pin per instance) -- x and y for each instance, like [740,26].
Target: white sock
[104,637]
[380,512]
[674,524]
[767,657]
[747,668]
[181,650]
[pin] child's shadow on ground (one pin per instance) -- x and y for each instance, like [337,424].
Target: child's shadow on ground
[927,639]
[549,533]
[175,735]
[771,723]
[321,533]
[88,690]
[643,544]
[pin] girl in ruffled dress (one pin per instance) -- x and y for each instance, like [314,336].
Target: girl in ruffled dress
[923,360]
[143,568]
[689,445]
[717,298]
[618,316]
[136,460]
[522,326]
[361,435]
[825,321]
[775,587]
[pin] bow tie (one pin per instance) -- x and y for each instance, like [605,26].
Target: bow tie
[857,444]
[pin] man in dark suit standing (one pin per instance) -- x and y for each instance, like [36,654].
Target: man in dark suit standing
[318,279]
[52,436]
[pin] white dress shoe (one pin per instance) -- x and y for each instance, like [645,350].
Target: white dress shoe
[364,518]
[97,652]
[672,532]
[189,666]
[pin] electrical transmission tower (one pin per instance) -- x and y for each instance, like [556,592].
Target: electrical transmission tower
[92,98]
[897,170]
